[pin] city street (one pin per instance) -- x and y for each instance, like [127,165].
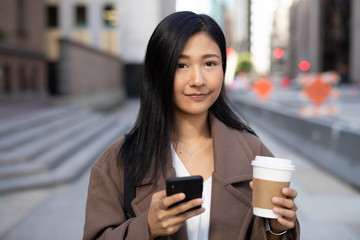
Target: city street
[72,73]
[328,207]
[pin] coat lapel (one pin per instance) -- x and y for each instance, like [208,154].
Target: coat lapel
[144,194]
[231,194]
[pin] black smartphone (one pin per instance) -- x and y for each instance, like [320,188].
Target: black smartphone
[192,186]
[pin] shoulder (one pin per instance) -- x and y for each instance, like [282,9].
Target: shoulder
[230,136]
[250,139]
[106,173]
[109,158]
[253,142]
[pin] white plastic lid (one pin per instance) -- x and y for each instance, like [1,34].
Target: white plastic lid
[273,163]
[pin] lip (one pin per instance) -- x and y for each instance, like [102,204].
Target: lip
[197,96]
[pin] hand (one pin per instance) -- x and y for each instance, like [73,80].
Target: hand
[285,207]
[165,221]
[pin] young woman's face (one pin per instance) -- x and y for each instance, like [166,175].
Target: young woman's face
[199,75]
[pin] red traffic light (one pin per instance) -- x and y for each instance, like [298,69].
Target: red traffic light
[230,51]
[304,65]
[278,53]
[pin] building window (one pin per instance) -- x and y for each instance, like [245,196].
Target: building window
[80,16]
[109,15]
[52,16]
[5,74]
[22,78]
[20,18]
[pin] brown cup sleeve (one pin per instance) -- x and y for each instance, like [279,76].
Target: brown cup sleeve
[265,190]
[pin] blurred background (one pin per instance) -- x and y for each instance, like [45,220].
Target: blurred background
[69,85]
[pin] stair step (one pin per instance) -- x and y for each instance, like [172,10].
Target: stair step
[54,156]
[70,169]
[33,148]
[23,123]
[21,137]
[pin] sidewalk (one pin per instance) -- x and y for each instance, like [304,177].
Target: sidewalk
[328,207]
[23,106]
[53,212]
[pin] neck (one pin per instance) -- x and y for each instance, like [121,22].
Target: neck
[191,129]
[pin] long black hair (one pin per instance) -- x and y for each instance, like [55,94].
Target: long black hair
[148,143]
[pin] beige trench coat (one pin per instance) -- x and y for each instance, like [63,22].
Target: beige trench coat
[231,209]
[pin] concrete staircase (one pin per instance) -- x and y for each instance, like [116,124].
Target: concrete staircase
[56,145]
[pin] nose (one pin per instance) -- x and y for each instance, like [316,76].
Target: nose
[197,78]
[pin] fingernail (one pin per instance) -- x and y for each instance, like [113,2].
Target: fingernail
[181,196]
[275,209]
[285,191]
[275,199]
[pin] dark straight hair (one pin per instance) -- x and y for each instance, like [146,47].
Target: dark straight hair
[148,143]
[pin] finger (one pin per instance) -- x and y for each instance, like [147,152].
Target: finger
[173,223]
[189,214]
[183,207]
[251,183]
[290,193]
[286,223]
[183,216]
[168,201]
[285,213]
[283,202]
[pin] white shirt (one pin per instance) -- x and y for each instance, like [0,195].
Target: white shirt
[198,226]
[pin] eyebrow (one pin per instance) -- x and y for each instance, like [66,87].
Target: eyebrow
[203,57]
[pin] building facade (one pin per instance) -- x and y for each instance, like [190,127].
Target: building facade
[82,50]
[326,34]
[117,28]
[22,52]
[38,37]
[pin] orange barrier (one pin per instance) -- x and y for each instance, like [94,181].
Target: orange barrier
[263,87]
[318,88]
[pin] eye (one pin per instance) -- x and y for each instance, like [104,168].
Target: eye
[181,65]
[210,64]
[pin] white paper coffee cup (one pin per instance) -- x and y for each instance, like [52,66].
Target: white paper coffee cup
[270,175]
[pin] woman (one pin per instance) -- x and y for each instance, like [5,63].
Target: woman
[184,127]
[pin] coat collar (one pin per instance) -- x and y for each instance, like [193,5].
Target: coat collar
[232,157]
[231,194]
[231,153]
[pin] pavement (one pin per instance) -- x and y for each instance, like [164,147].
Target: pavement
[11,107]
[55,211]
[328,207]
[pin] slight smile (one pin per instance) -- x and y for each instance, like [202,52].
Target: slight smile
[197,96]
